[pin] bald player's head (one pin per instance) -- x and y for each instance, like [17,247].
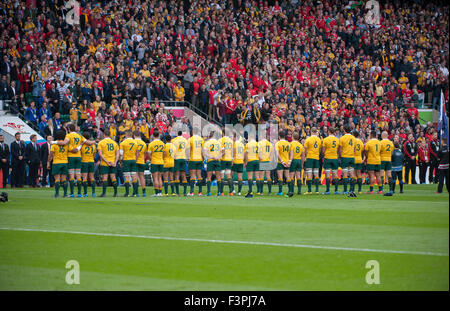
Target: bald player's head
[384,135]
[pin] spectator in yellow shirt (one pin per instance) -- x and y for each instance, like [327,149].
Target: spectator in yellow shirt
[179,92]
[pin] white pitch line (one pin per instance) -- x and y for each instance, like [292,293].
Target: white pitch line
[230,242]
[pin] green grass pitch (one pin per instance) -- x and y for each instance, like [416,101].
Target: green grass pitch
[311,242]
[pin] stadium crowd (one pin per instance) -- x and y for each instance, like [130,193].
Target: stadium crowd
[299,64]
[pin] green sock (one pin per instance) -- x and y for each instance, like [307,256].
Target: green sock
[291,186]
[184,187]
[390,183]
[309,184]
[299,186]
[177,187]
[317,184]
[359,180]
[280,185]
[231,185]
[239,186]
[166,187]
[64,184]
[269,185]
[135,188]
[380,188]
[85,186]
[336,184]
[371,188]
[352,184]
[250,186]
[191,185]
[127,188]
[93,186]
[114,183]
[79,183]
[327,181]
[219,186]
[208,186]
[143,190]
[105,184]
[345,181]
[172,188]
[57,185]
[200,185]
[71,184]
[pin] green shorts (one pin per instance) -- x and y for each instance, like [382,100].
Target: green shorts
[358,166]
[213,166]
[169,169]
[347,162]
[129,166]
[330,164]
[373,167]
[238,168]
[59,169]
[156,168]
[195,165]
[280,167]
[296,166]
[107,170]
[87,167]
[253,166]
[386,166]
[140,168]
[226,165]
[74,163]
[180,165]
[312,163]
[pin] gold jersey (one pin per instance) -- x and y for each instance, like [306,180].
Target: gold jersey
[129,147]
[347,144]
[313,145]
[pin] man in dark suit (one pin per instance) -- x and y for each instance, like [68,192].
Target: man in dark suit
[17,162]
[44,152]
[4,160]
[32,156]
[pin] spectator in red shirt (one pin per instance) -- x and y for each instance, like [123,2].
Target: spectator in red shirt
[424,160]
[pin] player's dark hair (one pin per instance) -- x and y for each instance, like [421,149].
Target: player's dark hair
[331,130]
[296,136]
[71,127]
[87,135]
[168,138]
[156,133]
[373,133]
[60,135]
[107,132]
[355,133]
[347,128]
[396,145]
[180,133]
[282,134]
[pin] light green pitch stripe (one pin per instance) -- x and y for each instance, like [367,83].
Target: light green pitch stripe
[229,242]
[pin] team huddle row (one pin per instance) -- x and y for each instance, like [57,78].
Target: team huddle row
[73,155]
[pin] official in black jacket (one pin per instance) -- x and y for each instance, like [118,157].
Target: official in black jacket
[4,160]
[443,166]
[44,151]
[32,156]
[410,150]
[434,163]
[17,162]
